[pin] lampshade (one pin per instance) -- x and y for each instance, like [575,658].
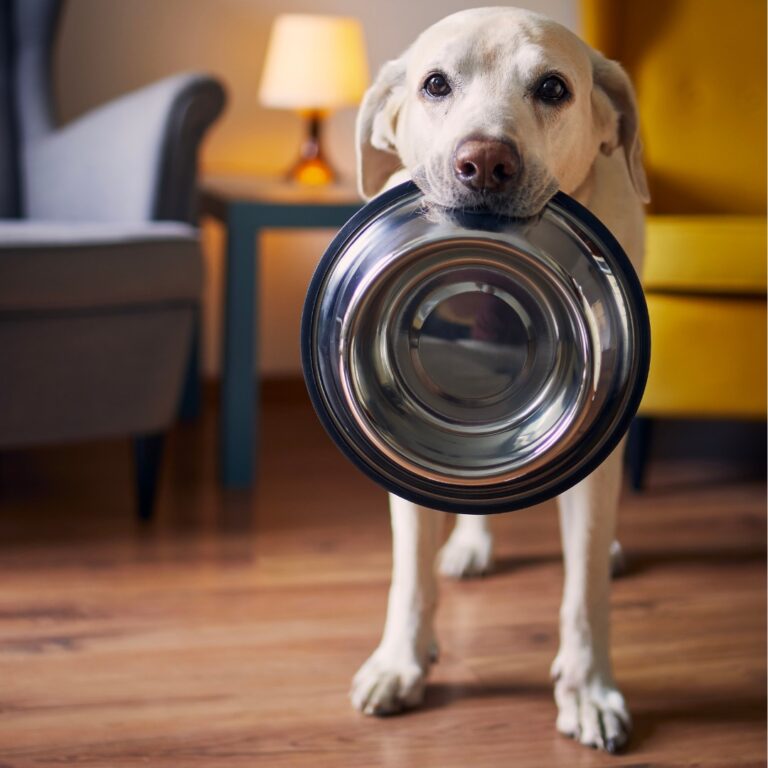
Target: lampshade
[314,63]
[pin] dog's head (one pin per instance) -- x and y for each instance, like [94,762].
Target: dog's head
[496,108]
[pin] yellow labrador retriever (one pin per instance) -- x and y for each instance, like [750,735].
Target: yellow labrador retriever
[497,108]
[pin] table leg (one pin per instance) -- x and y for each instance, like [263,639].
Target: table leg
[239,388]
[191,395]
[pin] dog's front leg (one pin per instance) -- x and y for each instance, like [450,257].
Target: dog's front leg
[590,706]
[394,676]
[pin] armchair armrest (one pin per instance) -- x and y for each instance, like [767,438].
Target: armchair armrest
[132,159]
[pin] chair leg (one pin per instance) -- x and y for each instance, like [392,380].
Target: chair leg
[638,446]
[148,454]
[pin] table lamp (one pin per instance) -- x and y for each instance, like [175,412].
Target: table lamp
[314,64]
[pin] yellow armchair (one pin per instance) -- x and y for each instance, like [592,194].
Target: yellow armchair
[699,68]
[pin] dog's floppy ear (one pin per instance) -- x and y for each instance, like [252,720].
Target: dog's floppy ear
[615,110]
[377,157]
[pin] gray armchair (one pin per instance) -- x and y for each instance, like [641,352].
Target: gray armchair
[100,268]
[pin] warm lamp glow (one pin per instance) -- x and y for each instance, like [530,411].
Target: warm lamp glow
[314,64]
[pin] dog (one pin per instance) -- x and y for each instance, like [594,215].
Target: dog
[497,109]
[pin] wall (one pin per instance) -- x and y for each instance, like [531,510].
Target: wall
[107,48]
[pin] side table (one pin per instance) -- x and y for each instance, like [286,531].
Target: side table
[246,205]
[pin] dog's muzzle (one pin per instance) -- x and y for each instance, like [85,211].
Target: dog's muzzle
[474,363]
[486,165]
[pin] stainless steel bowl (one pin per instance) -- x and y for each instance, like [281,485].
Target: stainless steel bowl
[472,363]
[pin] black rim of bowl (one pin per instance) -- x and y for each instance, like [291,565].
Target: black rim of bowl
[589,222]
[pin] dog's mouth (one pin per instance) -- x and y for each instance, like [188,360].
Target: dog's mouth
[493,204]
[524,201]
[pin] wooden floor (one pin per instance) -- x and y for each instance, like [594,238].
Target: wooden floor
[226,633]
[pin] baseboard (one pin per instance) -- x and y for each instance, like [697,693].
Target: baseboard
[273,389]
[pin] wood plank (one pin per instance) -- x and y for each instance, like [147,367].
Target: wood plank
[226,632]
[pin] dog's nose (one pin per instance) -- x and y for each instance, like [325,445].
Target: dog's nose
[486,164]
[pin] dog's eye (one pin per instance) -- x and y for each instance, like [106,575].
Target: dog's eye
[551,90]
[436,85]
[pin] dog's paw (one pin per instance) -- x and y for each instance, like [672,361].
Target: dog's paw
[390,682]
[593,712]
[466,557]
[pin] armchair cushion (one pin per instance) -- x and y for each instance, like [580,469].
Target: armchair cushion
[96,322]
[705,282]
[707,357]
[65,266]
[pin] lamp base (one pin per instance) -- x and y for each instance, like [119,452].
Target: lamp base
[312,168]
[313,172]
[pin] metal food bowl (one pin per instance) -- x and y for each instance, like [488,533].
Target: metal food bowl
[472,363]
